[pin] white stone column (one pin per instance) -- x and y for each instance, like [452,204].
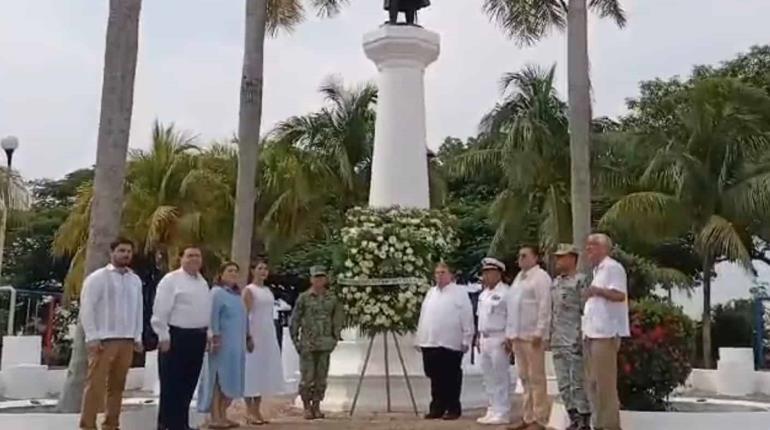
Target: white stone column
[399,178]
[399,165]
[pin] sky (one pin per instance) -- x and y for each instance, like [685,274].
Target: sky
[190,53]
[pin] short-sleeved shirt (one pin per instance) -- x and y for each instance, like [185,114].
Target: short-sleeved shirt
[567,309]
[603,318]
[493,310]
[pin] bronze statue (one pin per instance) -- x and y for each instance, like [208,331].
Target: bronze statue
[409,7]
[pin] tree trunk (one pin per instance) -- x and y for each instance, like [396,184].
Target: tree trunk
[708,361]
[249,119]
[112,145]
[579,121]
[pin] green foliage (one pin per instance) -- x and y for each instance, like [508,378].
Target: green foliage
[29,262]
[732,326]
[529,21]
[656,359]
[644,275]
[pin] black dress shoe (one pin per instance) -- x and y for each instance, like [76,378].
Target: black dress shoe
[433,416]
[451,416]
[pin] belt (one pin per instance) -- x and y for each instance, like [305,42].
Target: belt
[488,334]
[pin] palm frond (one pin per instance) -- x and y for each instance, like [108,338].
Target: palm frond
[283,15]
[651,216]
[73,281]
[72,235]
[610,9]
[328,8]
[719,238]
[527,21]
[670,278]
[161,223]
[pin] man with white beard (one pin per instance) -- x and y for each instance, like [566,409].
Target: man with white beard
[495,361]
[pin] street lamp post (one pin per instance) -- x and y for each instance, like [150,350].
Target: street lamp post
[9,145]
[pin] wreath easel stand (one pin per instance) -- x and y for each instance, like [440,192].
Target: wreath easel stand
[385,333]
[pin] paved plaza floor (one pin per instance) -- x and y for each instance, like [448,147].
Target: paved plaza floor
[285,417]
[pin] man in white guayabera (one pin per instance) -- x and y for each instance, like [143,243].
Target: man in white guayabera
[605,321]
[495,361]
[111,314]
[444,334]
[529,322]
[181,316]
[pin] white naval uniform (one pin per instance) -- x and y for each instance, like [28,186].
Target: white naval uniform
[495,362]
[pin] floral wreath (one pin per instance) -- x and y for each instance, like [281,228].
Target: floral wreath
[389,257]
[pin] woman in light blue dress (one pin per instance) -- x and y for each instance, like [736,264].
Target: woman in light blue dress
[223,380]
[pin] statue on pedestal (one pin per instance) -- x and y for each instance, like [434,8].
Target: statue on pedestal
[409,7]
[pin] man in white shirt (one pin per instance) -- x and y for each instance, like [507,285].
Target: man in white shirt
[605,321]
[180,318]
[495,361]
[527,330]
[111,315]
[444,334]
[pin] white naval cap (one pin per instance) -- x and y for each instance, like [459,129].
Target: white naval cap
[490,263]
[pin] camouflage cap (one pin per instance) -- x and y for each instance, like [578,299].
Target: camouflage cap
[566,249]
[317,271]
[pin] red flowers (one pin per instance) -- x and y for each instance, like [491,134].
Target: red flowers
[655,359]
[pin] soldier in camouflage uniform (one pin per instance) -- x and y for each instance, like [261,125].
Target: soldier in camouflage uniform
[566,341]
[316,323]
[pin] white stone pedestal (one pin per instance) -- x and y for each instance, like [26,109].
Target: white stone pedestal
[735,371]
[150,380]
[399,164]
[21,350]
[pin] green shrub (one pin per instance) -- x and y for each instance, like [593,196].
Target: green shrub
[656,359]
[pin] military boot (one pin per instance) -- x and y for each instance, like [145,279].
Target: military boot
[574,420]
[585,422]
[308,410]
[316,407]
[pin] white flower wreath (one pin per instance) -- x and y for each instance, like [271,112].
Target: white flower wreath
[389,257]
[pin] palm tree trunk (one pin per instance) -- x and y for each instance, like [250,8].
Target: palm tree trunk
[708,269]
[249,120]
[114,124]
[579,120]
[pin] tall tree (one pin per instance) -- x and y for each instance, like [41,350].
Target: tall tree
[120,54]
[710,179]
[528,21]
[262,16]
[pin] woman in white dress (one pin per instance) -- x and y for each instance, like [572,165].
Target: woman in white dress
[264,369]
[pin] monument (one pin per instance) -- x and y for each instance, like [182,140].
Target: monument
[401,51]
[408,7]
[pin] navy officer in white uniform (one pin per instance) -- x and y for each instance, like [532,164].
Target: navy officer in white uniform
[495,360]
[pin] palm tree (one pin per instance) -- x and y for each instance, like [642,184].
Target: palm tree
[710,178]
[528,21]
[315,160]
[262,16]
[112,145]
[176,194]
[525,139]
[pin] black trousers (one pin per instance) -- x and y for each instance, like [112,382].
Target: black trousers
[279,333]
[444,369]
[179,370]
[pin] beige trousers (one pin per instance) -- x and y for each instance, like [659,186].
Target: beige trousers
[601,382]
[107,369]
[530,361]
